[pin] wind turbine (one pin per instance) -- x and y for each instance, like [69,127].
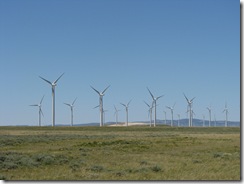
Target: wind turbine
[165,117]
[126,109]
[190,110]
[101,94]
[209,111]
[104,116]
[40,110]
[53,84]
[155,105]
[214,120]
[178,120]
[71,108]
[150,112]
[226,115]
[192,113]
[172,113]
[203,122]
[116,114]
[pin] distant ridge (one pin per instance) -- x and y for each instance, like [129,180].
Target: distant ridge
[183,123]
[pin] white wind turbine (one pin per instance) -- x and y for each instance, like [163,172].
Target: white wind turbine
[190,110]
[71,108]
[116,113]
[155,105]
[192,113]
[203,122]
[172,113]
[214,120]
[178,120]
[226,114]
[209,111]
[104,116]
[150,112]
[40,110]
[126,109]
[101,102]
[53,84]
[165,117]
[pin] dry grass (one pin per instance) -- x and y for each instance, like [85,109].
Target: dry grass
[119,153]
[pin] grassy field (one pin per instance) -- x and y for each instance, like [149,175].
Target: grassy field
[119,153]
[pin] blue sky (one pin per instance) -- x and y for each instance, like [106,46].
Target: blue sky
[172,47]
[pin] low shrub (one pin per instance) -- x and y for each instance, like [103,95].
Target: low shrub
[96,168]
[156,168]
[2,177]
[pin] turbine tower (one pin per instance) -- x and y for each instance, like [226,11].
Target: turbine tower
[190,110]
[178,120]
[150,112]
[172,113]
[226,115]
[209,111]
[71,108]
[126,109]
[116,114]
[40,110]
[155,105]
[101,102]
[53,84]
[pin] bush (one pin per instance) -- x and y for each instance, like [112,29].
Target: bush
[2,177]
[27,161]
[44,159]
[156,169]
[96,168]
[143,162]
[9,165]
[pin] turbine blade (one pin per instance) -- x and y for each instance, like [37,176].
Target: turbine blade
[123,104]
[105,89]
[58,79]
[74,101]
[33,105]
[129,103]
[159,97]
[95,90]
[174,105]
[150,93]
[41,112]
[46,80]
[193,99]
[186,97]
[96,107]
[42,99]
[67,104]
[146,104]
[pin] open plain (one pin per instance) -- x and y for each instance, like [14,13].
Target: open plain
[120,153]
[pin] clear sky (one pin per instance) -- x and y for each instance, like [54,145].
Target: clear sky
[171,47]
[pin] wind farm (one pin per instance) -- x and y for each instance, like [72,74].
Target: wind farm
[151,108]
